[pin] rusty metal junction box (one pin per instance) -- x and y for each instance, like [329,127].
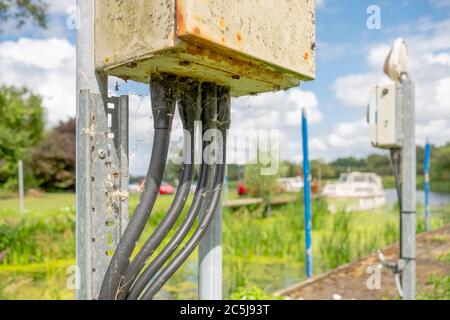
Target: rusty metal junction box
[251,46]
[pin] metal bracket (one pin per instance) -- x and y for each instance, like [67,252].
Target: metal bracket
[103,201]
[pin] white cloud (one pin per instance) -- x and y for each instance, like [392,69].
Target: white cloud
[348,138]
[353,90]
[317,145]
[61,6]
[443,93]
[320,4]
[279,110]
[377,55]
[345,138]
[441,58]
[47,67]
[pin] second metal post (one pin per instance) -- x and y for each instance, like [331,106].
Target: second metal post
[408,215]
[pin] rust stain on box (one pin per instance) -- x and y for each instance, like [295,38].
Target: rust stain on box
[222,23]
[181,27]
[224,41]
[197,31]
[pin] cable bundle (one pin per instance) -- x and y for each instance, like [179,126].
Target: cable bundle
[210,104]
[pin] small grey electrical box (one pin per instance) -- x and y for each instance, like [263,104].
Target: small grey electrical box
[384,117]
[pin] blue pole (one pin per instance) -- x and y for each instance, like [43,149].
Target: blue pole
[307,196]
[426,171]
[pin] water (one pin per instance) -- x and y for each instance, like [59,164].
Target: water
[437,199]
[269,274]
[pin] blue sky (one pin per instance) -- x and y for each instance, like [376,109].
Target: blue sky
[349,62]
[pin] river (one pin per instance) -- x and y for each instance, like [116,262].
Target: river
[437,199]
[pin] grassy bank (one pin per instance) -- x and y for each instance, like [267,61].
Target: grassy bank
[261,255]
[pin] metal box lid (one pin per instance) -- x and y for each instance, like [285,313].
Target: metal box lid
[251,46]
[385,117]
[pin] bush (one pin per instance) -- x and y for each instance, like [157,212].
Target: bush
[35,240]
[53,160]
[335,247]
[21,127]
[252,293]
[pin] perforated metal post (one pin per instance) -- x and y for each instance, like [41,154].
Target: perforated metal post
[102,163]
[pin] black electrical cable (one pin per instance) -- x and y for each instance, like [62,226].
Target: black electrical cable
[163,107]
[209,120]
[189,111]
[396,163]
[223,121]
[192,243]
[200,193]
[396,168]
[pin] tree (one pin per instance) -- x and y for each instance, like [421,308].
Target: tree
[21,127]
[289,169]
[440,164]
[321,169]
[379,164]
[23,11]
[53,160]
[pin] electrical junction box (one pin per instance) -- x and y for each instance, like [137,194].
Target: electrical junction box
[250,46]
[384,116]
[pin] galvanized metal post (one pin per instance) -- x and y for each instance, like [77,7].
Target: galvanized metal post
[102,163]
[210,261]
[21,191]
[408,214]
[307,196]
[426,172]
[86,81]
[210,255]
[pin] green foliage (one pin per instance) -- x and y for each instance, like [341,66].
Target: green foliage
[445,257]
[289,169]
[342,165]
[260,185]
[322,170]
[440,164]
[380,164]
[440,289]
[21,127]
[280,235]
[235,172]
[23,11]
[34,240]
[252,293]
[335,248]
[261,255]
[53,160]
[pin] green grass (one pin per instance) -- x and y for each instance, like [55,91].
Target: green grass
[440,289]
[261,255]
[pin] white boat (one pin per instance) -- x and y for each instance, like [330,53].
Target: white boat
[355,191]
[291,184]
